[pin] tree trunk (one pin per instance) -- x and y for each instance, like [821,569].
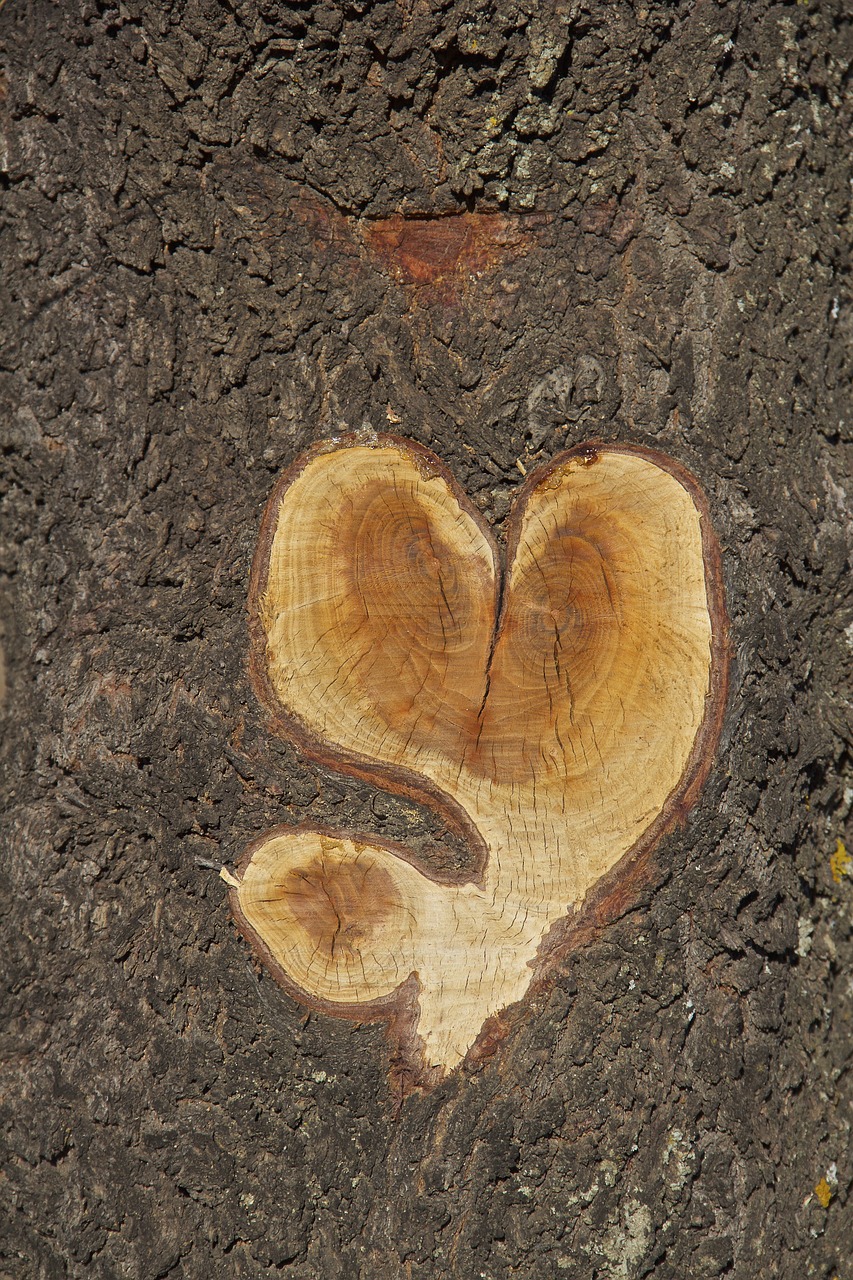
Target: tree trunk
[229,232]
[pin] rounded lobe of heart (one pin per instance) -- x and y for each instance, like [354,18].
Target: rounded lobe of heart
[378,607]
[602,662]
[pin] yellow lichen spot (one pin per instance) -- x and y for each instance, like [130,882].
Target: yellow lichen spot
[823,1191]
[840,863]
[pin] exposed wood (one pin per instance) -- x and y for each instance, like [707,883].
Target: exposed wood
[564,709]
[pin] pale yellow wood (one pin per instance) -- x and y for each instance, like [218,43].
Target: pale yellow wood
[562,729]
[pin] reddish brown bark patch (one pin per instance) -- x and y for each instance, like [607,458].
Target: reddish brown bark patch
[446,251]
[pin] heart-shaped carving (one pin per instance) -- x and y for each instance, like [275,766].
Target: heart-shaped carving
[561,711]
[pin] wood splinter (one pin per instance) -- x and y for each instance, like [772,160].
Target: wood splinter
[561,712]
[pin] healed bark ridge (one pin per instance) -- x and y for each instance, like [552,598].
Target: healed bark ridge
[562,711]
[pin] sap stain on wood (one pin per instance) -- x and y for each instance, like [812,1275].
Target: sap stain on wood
[322,895]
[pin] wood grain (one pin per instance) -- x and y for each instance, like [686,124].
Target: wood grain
[562,710]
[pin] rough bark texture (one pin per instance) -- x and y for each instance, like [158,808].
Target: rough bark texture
[218,245]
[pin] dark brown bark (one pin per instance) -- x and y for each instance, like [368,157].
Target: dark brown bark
[229,231]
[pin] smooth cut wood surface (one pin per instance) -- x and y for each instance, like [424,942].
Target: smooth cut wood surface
[565,707]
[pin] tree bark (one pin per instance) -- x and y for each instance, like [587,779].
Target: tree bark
[230,231]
